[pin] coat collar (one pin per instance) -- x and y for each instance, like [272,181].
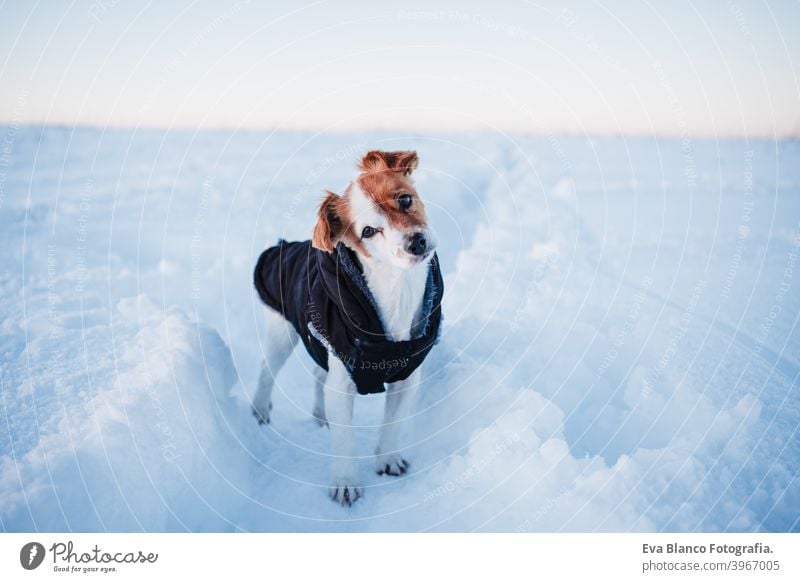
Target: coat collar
[343,279]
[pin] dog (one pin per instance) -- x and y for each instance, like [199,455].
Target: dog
[364,296]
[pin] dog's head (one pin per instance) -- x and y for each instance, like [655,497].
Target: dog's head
[380,215]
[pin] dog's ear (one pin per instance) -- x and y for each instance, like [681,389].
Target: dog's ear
[401,162]
[330,226]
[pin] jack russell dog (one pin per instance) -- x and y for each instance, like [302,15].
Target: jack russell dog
[364,296]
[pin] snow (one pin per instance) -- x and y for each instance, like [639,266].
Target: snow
[620,350]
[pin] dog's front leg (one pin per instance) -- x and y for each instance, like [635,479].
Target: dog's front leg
[399,398]
[339,393]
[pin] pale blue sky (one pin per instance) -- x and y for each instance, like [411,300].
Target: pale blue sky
[697,68]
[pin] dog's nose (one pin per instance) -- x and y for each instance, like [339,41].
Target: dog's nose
[418,244]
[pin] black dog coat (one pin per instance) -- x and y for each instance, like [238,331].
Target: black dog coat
[327,300]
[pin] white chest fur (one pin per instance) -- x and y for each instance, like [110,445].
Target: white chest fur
[398,293]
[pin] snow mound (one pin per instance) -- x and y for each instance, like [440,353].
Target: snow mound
[148,450]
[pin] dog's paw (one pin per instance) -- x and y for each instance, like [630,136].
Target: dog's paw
[261,416]
[345,494]
[394,465]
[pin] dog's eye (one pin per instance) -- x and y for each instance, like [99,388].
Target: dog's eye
[404,200]
[368,232]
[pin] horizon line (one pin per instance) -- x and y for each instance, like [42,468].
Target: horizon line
[704,136]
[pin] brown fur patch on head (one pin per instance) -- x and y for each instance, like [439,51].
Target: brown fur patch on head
[384,178]
[334,224]
[329,227]
[401,162]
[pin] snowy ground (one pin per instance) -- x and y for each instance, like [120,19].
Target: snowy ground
[621,349]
